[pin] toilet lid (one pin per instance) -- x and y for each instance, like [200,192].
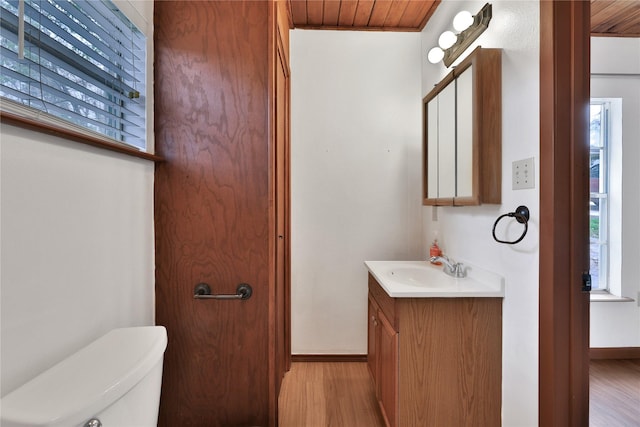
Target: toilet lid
[86,382]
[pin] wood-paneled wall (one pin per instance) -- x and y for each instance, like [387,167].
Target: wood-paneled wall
[212,209]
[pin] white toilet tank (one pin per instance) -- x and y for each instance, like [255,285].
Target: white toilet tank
[115,379]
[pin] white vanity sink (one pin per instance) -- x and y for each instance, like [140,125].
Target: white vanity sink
[421,279]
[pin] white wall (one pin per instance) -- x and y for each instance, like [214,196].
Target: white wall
[77,248]
[465,232]
[355,173]
[615,67]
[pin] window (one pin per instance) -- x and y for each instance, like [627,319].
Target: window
[605,203]
[77,60]
[600,196]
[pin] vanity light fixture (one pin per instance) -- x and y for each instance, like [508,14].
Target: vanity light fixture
[453,45]
[435,55]
[462,21]
[447,39]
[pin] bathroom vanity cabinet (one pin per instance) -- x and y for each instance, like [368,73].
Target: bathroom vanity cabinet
[436,361]
[462,116]
[383,353]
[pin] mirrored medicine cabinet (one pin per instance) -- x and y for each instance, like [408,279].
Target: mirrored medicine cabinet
[463,134]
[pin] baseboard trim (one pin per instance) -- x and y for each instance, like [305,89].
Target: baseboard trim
[614,353]
[328,357]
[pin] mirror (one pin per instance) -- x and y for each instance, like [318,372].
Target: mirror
[463,127]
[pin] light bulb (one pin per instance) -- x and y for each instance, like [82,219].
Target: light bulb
[435,55]
[462,21]
[447,39]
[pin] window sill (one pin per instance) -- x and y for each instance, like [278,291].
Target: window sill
[601,296]
[49,129]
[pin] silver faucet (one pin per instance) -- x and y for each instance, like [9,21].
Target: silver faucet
[452,269]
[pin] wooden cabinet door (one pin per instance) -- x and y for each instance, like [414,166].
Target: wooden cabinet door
[388,371]
[372,342]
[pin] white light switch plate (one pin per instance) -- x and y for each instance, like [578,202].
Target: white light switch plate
[522,174]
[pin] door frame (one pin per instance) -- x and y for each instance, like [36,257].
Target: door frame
[563,307]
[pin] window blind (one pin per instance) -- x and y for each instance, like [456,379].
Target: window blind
[83,61]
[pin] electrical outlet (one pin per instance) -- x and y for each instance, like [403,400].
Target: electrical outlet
[522,174]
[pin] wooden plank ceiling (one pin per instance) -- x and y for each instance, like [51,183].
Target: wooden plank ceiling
[385,15]
[619,18]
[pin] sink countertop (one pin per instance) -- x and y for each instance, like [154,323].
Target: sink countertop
[421,279]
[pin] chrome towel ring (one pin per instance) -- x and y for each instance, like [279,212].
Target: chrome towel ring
[521,214]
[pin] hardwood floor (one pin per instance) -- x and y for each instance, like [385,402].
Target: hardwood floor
[338,394]
[614,393]
[322,394]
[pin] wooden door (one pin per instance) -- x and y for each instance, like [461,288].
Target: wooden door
[212,210]
[281,174]
[564,218]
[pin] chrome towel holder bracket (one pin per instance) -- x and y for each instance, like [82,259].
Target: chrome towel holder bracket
[203,291]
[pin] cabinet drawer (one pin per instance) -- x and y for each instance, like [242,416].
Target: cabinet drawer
[385,302]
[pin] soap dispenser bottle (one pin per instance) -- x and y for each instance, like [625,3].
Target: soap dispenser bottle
[435,250]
